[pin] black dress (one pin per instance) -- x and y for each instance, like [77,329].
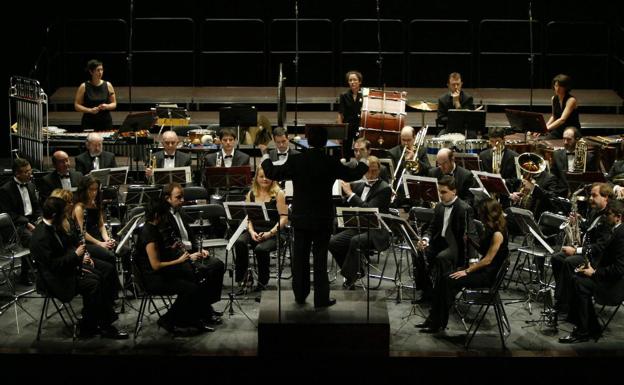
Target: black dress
[572,121]
[444,293]
[261,250]
[350,110]
[93,97]
[190,304]
[93,228]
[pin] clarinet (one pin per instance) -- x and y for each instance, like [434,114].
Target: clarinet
[81,237]
[179,245]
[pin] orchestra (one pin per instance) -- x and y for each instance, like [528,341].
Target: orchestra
[463,245]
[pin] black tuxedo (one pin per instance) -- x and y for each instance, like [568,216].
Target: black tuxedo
[445,103]
[239,158]
[384,172]
[345,244]
[606,283]
[464,180]
[84,162]
[60,274]
[595,240]
[52,181]
[547,187]
[273,154]
[508,164]
[616,170]
[181,159]
[12,204]
[397,151]
[559,166]
[313,174]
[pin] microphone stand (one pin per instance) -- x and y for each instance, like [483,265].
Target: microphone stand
[129,57]
[379,56]
[296,60]
[531,57]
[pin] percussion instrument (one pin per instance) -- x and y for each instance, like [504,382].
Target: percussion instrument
[423,107]
[435,144]
[471,146]
[382,111]
[201,136]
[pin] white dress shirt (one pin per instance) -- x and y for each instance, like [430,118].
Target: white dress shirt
[23,190]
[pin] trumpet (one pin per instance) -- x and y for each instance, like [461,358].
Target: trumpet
[152,165]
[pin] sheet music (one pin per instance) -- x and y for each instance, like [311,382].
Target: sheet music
[171,171]
[337,189]
[489,175]
[242,227]
[289,189]
[541,240]
[479,193]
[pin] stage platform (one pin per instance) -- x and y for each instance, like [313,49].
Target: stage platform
[347,328]
[197,96]
[590,122]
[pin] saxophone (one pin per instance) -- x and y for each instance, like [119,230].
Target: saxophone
[580,156]
[572,230]
[497,156]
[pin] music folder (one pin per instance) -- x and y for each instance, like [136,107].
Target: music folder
[492,183]
[421,188]
[175,174]
[523,121]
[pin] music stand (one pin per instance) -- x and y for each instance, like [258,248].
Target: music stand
[101,175]
[421,188]
[492,183]
[118,176]
[335,131]
[466,122]
[388,163]
[525,121]
[238,115]
[180,175]
[134,122]
[468,161]
[140,195]
[361,219]
[243,211]
[227,177]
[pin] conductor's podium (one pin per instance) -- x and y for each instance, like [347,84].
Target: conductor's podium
[342,329]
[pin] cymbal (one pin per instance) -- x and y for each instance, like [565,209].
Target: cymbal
[421,105]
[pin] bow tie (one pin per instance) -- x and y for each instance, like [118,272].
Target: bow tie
[66,176]
[23,184]
[169,156]
[95,157]
[368,185]
[282,154]
[448,205]
[227,156]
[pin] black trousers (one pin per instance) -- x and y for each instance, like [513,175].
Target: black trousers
[348,247]
[305,240]
[563,271]
[582,313]
[446,289]
[97,285]
[440,264]
[24,239]
[262,252]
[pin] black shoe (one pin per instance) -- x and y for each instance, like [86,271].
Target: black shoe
[85,332]
[201,326]
[348,284]
[114,333]
[432,329]
[213,320]
[422,300]
[215,312]
[330,302]
[574,337]
[25,280]
[423,325]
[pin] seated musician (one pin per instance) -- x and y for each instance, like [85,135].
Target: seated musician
[362,150]
[408,137]
[444,243]
[170,157]
[62,176]
[563,160]
[19,200]
[174,228]
[504,159]
[464,180]
[282,146]
[350,109]
[168,270]
[228,156]
[66,270]
[88,214]
[455,98]
[604,276]
[564,108]
[261,236]
[537,190]
[493,248]
[94,158]
[347,246]
[616,178]
[595,234]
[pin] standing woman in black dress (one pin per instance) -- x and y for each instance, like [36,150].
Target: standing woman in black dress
[95,98]
[564,108]
[493,248]
[350,110]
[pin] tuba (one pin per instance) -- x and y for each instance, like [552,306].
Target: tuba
[580,156]
[497,156]
[529,164]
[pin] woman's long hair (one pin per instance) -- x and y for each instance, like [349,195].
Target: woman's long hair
[255,186]
[82,194]
[68,197]
[491,214]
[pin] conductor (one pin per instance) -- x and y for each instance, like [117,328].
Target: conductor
[313,173]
